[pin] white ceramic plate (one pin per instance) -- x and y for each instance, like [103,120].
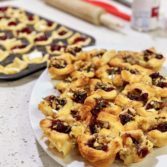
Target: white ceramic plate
[43,88]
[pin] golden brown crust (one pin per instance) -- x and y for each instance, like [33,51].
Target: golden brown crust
[117,104]
[97,157]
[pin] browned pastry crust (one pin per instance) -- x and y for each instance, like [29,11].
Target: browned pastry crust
[112,73]
[60,65]
[136,146]
[61,132]
[54,104]
[135,95]
[99,150]
[148,59]
[115,100]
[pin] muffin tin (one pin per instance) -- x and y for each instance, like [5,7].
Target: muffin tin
[27,40]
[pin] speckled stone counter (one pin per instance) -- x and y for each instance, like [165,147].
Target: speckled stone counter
[18,148]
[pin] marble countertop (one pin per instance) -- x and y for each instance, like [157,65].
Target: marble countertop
[18,147]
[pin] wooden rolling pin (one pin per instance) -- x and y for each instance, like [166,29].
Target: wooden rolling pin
[86,11]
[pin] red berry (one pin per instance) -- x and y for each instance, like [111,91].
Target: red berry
[3,9]
[30,17]
[49,23]
[41,38]
[3,37]
[12,23]
[55,47]
[62,32]
[26,30]
[79,39]
[19,46]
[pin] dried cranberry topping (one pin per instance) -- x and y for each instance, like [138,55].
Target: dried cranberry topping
[125,118]
[79,39]
[159,56]
[114,70]
[142,152]
[60,126]
[55,102]
[75,115]
[60,102]
[100,104]
[50,98]
[96,125]
[73,50]
[135,141]
[19,47]
[80,96]
[130,59]
[58,63]
[26,30]
[3,9]
[12,23]
[49,23]
[103,147]
[3,37]
[55,47]
[137,95]
[162,84]
[63,32]
[158,80]
[162,127]
[147,51]
[30,17]
[154,105]
[103,86]
[144,97]
[91,142]
[133,71]
[41,38]
[156,75]
[148,54]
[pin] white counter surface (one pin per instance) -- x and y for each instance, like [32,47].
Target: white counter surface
[18,147]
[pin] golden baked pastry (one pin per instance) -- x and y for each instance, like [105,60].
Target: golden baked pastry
[147,58]
[98,149]
[117,100]
[15,67]
[60,65]
[112,73]
[159,83]
[78,39]
[62,132]
[135,95]
[158,132]
[136,146]
[54,104]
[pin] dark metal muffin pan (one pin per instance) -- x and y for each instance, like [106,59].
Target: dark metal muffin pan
[32,68]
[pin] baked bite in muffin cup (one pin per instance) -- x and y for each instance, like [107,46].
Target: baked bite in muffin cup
[99,149]
[54,104]
[136,146]
[158,132]
[61,132]
[111,73]
[135,95]
[159,83]
[60,66]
